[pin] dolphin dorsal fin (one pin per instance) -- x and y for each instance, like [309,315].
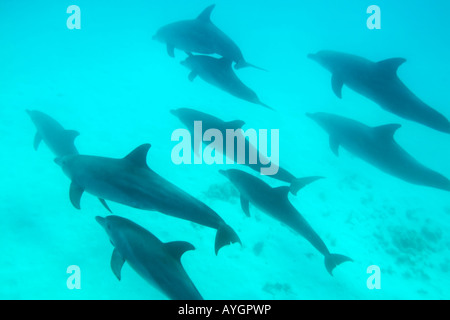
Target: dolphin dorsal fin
[226,61]
[282,192]
[138,156]
[389,66]
[177,248]
[236,124]
[205,16]
[387,131]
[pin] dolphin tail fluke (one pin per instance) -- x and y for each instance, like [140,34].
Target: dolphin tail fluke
[225,235]
[244,64]
[299,183]
[333,260]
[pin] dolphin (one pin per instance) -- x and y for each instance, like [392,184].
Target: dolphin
[379,82]
[220,74]
[59,140]
[377,146]
[275,202]
[200,35]
[131,182]
[157,262]
[187,116]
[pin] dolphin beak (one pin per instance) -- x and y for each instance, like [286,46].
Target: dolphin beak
[174,112]
[311,56]
[101,221]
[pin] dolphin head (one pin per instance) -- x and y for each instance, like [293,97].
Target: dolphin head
[109,226]
[324,58]
[188,63]
[113,225]
[160,35]
[176,112]
[66,163]
[322,119]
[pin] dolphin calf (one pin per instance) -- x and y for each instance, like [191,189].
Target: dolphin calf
[59,140]
[131,182]
[377,146]
[219,73]
[379,82]
[157,262]
[200,35]
[188,116]
[275,202]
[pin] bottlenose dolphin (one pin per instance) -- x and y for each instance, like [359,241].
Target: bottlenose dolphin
[187,116]
[275,202]
[219,73]
[376,145]
[379,82]
[59,140]
[157,262]
[131,182]
[200,35]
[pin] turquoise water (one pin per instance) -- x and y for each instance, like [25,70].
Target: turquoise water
[115,85]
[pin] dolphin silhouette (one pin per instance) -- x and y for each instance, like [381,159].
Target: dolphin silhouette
[59,140]
[379,82]
[275,202]
[187,116]
[377,146]
[200,35]
[157,262]
[218,72]
[131,182]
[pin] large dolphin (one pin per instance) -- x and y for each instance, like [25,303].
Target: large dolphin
[275,202]
[188,116]
[376,145]
[131,182]
[200,35]
[220,74]
[379,82]
[59,140]
[157,262]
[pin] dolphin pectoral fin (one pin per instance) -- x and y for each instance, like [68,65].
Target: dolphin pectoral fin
[333,260]
[75,194]
[387,131]
[138,156]
[299,183]
[225,235]
[245,205]
[336,84]
[205,16]
[192,75]
[105,204]
[37,140]
[117,262]
[389,67]
[177,248]
[170,50]
[334,145]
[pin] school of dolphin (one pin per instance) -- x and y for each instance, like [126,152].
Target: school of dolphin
[131,182]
